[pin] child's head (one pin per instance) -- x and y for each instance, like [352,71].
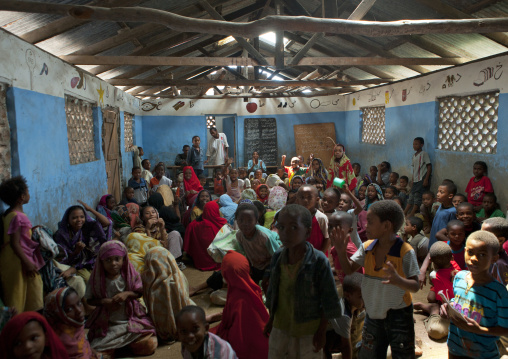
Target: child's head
[73,306]
[441,255]
[141,152]
[254,184]
[457,199]
[384,218]
[352,289]
[315,165]
[499,227]
[14,191]
[202,199]
[391,192]
[187,174]
[280,173]
[465,213]
[480,169]
[246,216]
[394,177]
[296,182]
[456,233]
[242,173]
[196,141]
[192,327]
[159,171]
[357,168]
[373,172]
[295,162]
[147,213]
[76,218]
[331,199]
[202,179]
[428,198]
[233,174]
[292,196]
[338,151]
[414,225]
[112,255]
[263,191]
[294,223]
[136,172]
[218,173]
[403,181]
[481,252]
[445,193]
[110,202]
[258,174]
[307,196]
[447,180]
[489,202]
[398,200]
[385,166]
[362,192]
[341,221]
[261,212]
[311,180]
[146,164]
[24,336]
[418,143]
[185,150]
[345,203]
[372,193]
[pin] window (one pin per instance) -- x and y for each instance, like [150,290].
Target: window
[210,121]
[468,123]
[5,138]
[80,130]
[373,125]
[128,121]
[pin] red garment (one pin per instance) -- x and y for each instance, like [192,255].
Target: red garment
[16,325]
[443,281]
[191,185]
[265,199]
[218,187]
[316,235]
[362,226]
[199,235]
[244,316]
[350,250]
[476,190]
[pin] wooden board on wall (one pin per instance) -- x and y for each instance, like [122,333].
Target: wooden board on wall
[260,134]
[312,138]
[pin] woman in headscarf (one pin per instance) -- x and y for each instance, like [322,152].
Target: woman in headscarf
[340,166]
[166,291]
[200,233]
[191,185]
[318,171]
[245,315]
[227,208]
[106,205]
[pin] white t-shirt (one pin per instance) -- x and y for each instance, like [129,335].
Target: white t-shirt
[420,162]
[323,223]
[217,150]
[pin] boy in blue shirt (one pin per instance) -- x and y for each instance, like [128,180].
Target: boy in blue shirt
[139,185]
[481,303]
[195,156]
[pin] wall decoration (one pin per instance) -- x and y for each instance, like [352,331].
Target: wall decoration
[252,107]
[487,73]
[285,104]
[149,106]
[79,82]
[316,103]
[388,96]
[405,93]
[424,88]
[30,61]
[101,94]
[178,105]
[261,103]
[451,80]
[191,104]
[44,69]
[373,95]
[107,91]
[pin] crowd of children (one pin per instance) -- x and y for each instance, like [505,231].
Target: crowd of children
[311,265]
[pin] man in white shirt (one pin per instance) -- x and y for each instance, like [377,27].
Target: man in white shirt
[217,151]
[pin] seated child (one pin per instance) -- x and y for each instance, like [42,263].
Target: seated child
[234,185]
[499,227]
[391,270]
[202,198]
[458,199]
[307,196]
[428,209]
[197,341]
[202,180]
[154,226]
[374,194]
[296,182]
[466,215]
[478,185]
[145,173]
[340,227]
[139,185]
[357,169]
[490,208]
[346,335]
[262,193]
[482,301]
[390,192]
[403,183]
[416,238]
[362,192]
[106,205]
[128,196]
[260,176]
[119,319]
[159,178]
[393,179]
[299,306]
[218,183]
[242,174]
[456,239]
[292,196]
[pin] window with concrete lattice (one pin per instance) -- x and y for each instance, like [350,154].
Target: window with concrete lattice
[80,130]
[5,138]
[468,123]
[128,120]
[373,125]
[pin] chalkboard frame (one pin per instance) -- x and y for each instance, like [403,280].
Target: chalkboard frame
[270,142]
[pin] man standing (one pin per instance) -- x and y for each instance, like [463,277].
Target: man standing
[217,152]
[181,159]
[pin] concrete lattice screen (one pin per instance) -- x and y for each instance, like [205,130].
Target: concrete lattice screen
[5,138]
[127,132]
[373,125]
[469,123]
[80,130]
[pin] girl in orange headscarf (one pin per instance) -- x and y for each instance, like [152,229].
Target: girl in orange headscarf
[340,166]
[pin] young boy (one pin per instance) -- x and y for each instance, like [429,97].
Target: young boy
[308,197]
[234,185]
[202,180]
[196,341]
[422,169]
[330,201]
[391,271]
[428,209]
[466,215]
[159,178]
[139,185]
[128,194]
[481,301]
[346,335]
[294,169]
[416,238]
[356,169]
[218,183]
[458,198]
[145,173]
[301,296]
[242,174]
[195,156]
[499,227]
[403,183]
[393,179]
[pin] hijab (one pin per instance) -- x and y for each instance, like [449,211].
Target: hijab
[277,198]
[321,175]
[120,216]
[293,178]
[379,195]
[102,207]
[228,208]
[167,213]
[249,193]
[193,183]
[273,180]
[263,200]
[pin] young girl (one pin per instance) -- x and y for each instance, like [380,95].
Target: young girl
[20,256]
[262,193]
[478,185]
[242,174]
[218,183]
[490,208]
[391,192]
[340,166]
[374,194]
[153,225]
[66,315]
[258,175]
[318,171]
[28,335]
[296,182]
[119,319]
[192,185]
[106,205]
[234,185]
[199,204]
[362,191]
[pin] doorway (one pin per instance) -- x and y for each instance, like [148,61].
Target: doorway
[227,124]
[111,149]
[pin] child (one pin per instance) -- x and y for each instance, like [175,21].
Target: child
[196,341]
[139,185]
[234,185]
[490,208]
[391,272]
[301,296]
[202,180]
[137,153]
[330,201]
[391,192]
[499,227]
[362,192]
[428,209]
[153,225]
[373,174]
[20,256]
[296,182]
[417,239]
[292,196]
[465,214]
[456,239]
[346,335]
[28,335]
[128,196]
[195,157]
[422,170]
[458,199]
[356,170]
[145,173]
[441,278]
[359,215]
[294,169]
[159,178]
[262,193]
[481,301]
[342,224]
[307,196]
[218,183]
[478,185]
[393,179]
[445,213]
[374,194]
[403,183]
[318,171]
[119,319]
[258,175]
[242,174]
[202,198]
[191,184]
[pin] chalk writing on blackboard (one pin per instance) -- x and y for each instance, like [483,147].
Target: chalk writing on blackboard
[260,135]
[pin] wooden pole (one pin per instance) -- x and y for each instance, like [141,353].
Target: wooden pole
[240,82]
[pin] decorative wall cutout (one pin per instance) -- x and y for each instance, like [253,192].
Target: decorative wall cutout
[128,131]
[80,130]
[373,125]
[487,73]
[149,106]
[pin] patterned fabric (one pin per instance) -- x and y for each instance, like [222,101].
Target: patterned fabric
[166,291]
[249,194]
[50,274]
[213,348]
[277,198]
[342,169]
[102,207]
[379,195]
[321,175]
[228,208]
[139,322]
[273,180]
[120,217]
[138,244]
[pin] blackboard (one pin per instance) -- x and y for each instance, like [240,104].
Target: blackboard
[260,135]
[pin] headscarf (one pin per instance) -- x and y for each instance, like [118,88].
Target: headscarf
[277,198]
[341,169]
[321,175]
[91,234]
[16,325]
[102,207]
[138,321]
[228,208]
[379,195]
[167,213]
[156,201]
[166,291]
[263,200]
[134,214]
[249,193]
[192,184]
[273,180]
[244,316]
[71,333]
[167,194]
[293,178]
[120,216]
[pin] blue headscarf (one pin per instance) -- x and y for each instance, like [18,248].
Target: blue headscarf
[379,195]
[228,208]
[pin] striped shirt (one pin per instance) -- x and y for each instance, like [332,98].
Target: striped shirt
[420,162]
[488,305]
